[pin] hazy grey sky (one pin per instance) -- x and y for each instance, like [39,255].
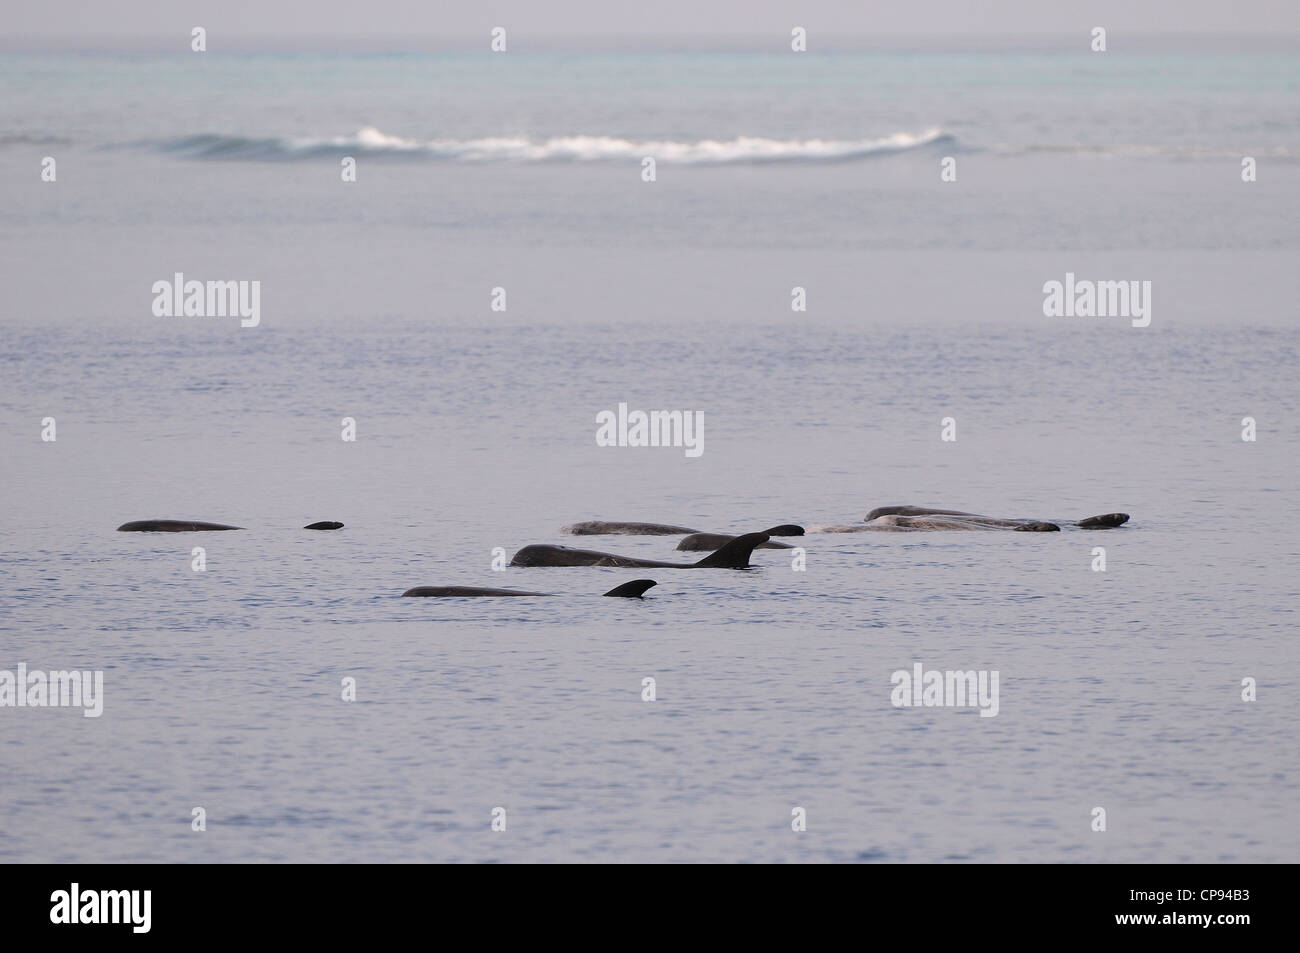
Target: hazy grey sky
[426,22]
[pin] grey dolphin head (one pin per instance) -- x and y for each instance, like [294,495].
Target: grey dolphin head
[1104,521]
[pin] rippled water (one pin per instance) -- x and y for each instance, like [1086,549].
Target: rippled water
[476,430]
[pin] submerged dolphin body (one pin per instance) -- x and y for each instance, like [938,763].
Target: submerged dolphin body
[732,555]
[912,511]
[602,528]
[960,523]
[629,590]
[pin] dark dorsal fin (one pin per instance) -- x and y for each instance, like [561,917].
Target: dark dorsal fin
[632,590]
[785,529]
[734,555]
[325,524]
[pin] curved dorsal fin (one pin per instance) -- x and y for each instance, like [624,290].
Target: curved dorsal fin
[633,589]
[735,554]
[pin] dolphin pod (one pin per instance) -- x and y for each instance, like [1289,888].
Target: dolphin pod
[726,552]
[629,590]
[197,526]
[732,555]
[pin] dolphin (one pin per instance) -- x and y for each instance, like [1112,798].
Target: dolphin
[629,590]
[708,542]
[732,555]
[602,528]
[195,526]
[171,526]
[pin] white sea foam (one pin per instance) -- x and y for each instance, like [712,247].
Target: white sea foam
[577,148]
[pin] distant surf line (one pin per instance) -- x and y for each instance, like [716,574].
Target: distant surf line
[574,148]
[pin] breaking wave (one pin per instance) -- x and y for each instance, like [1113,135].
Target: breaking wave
[372,142]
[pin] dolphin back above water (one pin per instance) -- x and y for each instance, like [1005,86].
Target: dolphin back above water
[198,526]
[629,590]
[171,526]
[906,523]
[732,555]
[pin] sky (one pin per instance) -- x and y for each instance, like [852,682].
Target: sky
[551,22]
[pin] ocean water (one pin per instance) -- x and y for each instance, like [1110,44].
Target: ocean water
[476,429]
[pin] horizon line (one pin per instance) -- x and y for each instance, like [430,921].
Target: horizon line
[693,41]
